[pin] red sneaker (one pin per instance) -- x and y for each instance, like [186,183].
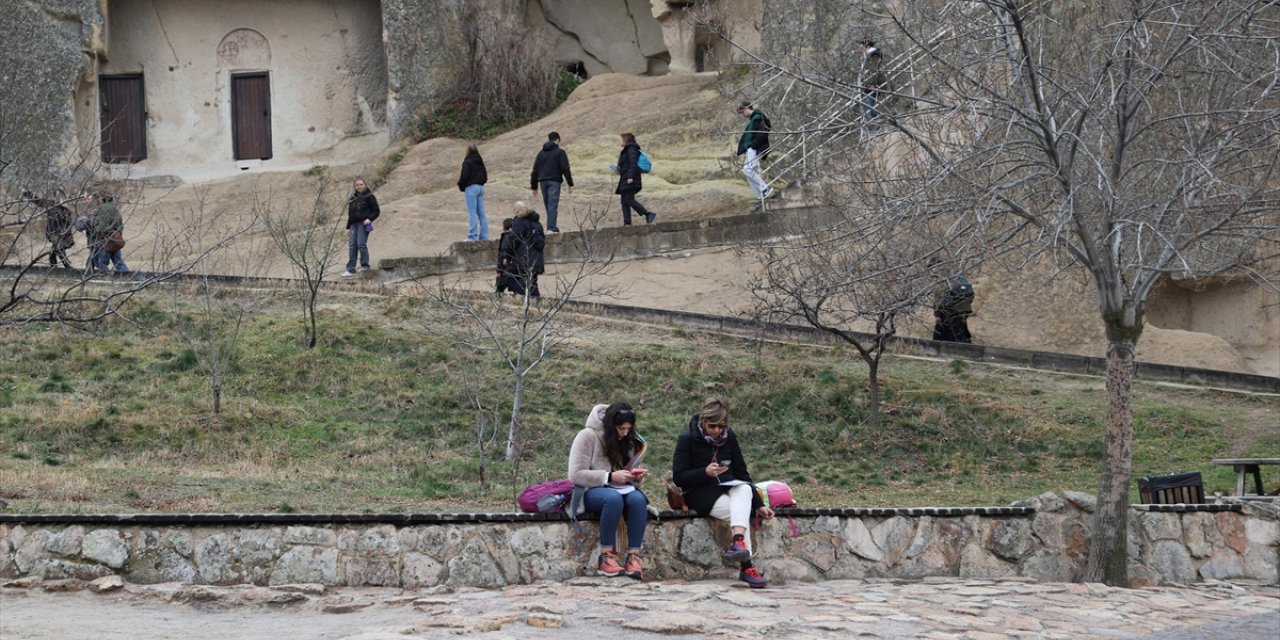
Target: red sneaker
[609,565]
[634,569]
[753,578]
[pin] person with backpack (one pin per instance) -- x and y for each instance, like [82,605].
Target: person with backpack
[605,468]
[754,143]
[629,180]
[708,466]
[528,242]
[951,313]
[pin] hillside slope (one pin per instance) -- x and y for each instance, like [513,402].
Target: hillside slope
[691,132]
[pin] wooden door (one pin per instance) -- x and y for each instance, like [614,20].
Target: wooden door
[124,118]
[251,116]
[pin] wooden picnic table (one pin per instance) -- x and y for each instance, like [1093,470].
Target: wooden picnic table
[1246,466]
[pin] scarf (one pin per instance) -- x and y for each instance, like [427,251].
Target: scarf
[715,441]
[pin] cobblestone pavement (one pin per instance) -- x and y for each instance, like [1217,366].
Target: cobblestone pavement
[934,609]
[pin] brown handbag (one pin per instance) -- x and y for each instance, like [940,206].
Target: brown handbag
[115,242]
[675,497]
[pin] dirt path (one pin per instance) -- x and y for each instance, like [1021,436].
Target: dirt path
[599,607]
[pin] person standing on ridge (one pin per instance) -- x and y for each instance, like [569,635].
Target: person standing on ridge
[550,169]
[362,210]
[629,180]
[754,143]
[872,81]
[471,184]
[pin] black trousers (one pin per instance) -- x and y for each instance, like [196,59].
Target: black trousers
[629,202]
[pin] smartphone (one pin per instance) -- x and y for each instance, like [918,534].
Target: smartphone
[725,463]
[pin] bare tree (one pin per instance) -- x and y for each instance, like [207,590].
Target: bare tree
[211,320]
[1134,140]
[858,279]
[523,333]
[309,238]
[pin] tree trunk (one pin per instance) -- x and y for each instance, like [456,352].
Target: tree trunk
[1109,542]
[873,382]
[513,431]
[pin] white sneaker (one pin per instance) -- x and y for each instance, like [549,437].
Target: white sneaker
[348,274]
[767,194]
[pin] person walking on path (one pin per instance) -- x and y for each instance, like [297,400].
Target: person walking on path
[872,80]
[709,467]
[605,468]
[362,210]
[85,224]
[754,143]
[550,169]
[108,232]
[471,184]
[58,229]
[629,180]
[529,242]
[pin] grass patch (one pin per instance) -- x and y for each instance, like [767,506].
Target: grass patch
[375,418]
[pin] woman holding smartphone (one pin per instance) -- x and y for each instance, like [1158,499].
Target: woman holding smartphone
[709,467]
[605,468]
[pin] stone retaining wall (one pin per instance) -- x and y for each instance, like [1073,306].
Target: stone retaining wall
[1043,538]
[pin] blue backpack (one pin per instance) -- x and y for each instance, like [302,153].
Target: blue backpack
[644,163]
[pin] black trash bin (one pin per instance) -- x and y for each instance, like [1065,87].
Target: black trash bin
[1176,488]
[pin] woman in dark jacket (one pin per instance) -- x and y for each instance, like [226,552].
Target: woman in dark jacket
[529,241]
[471,183]
[629,181]
[362,210]
[709,467]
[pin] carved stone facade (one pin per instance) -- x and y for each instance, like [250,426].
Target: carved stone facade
[150,86]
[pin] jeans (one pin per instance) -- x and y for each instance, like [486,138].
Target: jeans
[869,113]
[479,229]
[357,240]
[751,169]
[611,506]
[551,200]
[628,203]
[102,257]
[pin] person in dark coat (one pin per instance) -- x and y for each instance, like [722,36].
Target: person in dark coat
[58,229]
[952,311]
[630,182]
[507,280]
[362,210]
[872,79]
[471,183]
[550,169]
[709,467]
[529,240]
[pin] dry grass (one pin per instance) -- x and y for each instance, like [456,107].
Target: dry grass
[374,418]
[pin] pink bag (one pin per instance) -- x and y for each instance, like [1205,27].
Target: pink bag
[545,497]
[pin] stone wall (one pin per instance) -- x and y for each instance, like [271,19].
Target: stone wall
[1044,538]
